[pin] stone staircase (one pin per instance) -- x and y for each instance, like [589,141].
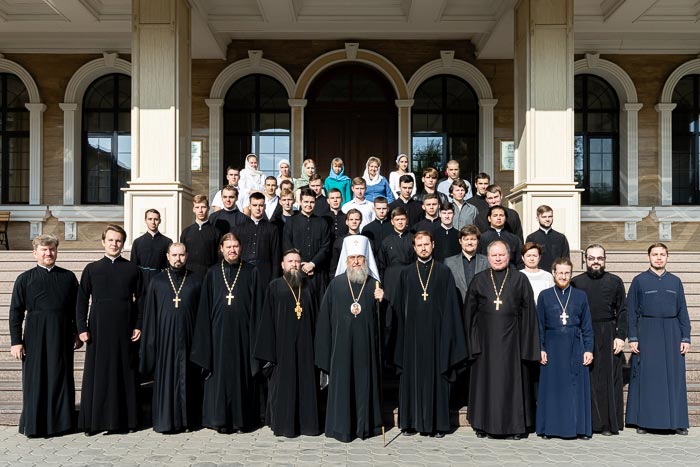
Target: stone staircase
[625,264]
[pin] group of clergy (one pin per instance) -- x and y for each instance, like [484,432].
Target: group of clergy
[244,320]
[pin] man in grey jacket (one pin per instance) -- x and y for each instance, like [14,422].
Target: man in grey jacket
[468,263]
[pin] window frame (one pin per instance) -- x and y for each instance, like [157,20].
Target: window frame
[6,136]
[694,139]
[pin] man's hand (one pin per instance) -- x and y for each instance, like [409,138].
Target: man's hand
[84,336]
[379,294]
[17,351]
[618,345]
[135,335]
[308,268]
[543,357]
[685,348]
[587,358]
[77,343]
[634,346]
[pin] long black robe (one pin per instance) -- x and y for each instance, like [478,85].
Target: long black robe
[311,236]
[225,221]
[166,340]
[504,346]
[514,242]
[336,224]
[479,202]
[413,208]
[606,298]
[429,225]
[148,253]
[202,244]
[446,243]
[321,208]
[108,397]
[377,231]
[48,388]
[287,342]
[397,252]
[222,346]
[513,224]
[348,348]
[554,245]
[261,248]
[430,344]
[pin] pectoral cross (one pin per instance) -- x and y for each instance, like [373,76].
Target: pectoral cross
[498,303]
[425,296]
[298,310]
[229,297]
[563,317]
[177,301]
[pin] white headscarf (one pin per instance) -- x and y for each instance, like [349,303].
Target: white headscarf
[354,245]
[251,170]
[377,178]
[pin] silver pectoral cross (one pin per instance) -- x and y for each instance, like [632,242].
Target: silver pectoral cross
[498,303]
[563,317]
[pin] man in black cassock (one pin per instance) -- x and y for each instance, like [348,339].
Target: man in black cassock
[380,227]
[108,398]
[285,348]
[348,345]
[47,293]
[227,218]
[170,308]
[201,238]
[223,340]
[497,218]
[500,321]
[309,234]
[413,208]
[494,197]
[554,244]
[431,217]
[396,252]
[430,342]
[335,215]
[321,207]
[606,298]
[149,250]
[446,237]
[353,220]
[260,241]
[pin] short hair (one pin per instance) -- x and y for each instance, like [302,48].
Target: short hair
[286,182]
[200,199]
[230,188]
[230,167]
[286,192]
[174,244]
[44,240]
[482,176]
[314,177]
[502,242]
[452,161]
[431,196]
[380,200]
[291,251]
[154,211]
[430,172]
[358,181]
[459,183]
[531,246]
[114,228]
[657,245]
[594,245]
[562,261]
[406,179]
[494,189]
[335,190]
[353,211]
[500,208]
[307,192]
[230,236]
[271,178]
[423,233]
[398,211]
[469,229]
[374,159]
[257,195]
[544,208]
[447,206]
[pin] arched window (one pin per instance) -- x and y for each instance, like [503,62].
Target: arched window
[106,139]
[686,141]
[14,140]
[596,140]
[445,125]
[257,120]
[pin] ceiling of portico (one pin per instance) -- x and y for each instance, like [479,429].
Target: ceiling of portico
[603,26]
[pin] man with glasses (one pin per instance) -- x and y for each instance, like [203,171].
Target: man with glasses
[606,297]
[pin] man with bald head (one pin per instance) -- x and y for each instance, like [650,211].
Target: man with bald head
[500,321]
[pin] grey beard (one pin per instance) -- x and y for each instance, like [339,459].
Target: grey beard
[595,274]
[294,277]
[358,276]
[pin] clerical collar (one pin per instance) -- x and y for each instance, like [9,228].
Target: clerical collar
[497,230]
[425,261]
[232,209]
[562,291]
[545,230]
[44,267]
[400,234]
[200,224]
[446,227]
[381,221]
[431,219]
[111,258]
[256,221]
[153,234]
[405,201]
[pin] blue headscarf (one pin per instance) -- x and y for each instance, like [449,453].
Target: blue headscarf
[341,177]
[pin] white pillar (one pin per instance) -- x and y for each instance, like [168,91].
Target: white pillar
[297,137]
[486,135]
[629,156]
[665,111]
[544,115]
[161,116]
[404,107]
[36,138]
[71,140]
[216,143]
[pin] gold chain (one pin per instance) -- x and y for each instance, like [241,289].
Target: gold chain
[297,309]
[498,301]
[427,281]
[177,292]
[235,279]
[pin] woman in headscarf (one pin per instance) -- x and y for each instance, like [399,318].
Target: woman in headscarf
[401,169]
[283,172]
[337,179]
[377,185]
[251,180]
[308,169]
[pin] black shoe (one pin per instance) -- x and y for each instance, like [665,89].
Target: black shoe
[584,437]
[91,433]
[440,434]
[408,432]
[223,430]
[516,437]
[546,437]
[480,434]
[682,431]
[606,433]
[641,431]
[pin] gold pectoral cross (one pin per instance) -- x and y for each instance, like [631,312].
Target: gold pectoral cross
[229,297]
[425,296]
[177,301]
[298,310]
[498,303]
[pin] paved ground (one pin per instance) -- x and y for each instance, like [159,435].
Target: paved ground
[208,449]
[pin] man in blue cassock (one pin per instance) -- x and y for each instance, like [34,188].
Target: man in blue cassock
[566,342]
[659,336]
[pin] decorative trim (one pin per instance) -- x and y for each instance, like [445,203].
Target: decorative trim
[297,102]
[8,66]
[677,213]
[70,231]
[447,57]
[665,152]
[26,213]
[665,231]
[255,56]
[688,68]
[87,213]
[351,50]
[614,213]
[216,142]
[610,72]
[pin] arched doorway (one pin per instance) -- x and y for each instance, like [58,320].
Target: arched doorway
[350,113]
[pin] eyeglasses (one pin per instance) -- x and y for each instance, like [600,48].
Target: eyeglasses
[595,258]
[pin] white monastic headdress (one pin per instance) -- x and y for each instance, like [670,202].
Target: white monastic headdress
[354,245]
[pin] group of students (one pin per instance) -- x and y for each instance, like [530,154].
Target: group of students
[260,311]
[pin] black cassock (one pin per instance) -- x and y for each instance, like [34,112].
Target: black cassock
[261,247]
[226,221]
[311,236]
[166,340]
[202,242]
[504,346]
[606,298]
[348,348]
[108,398]
[446,243]
[430,344]
[397,251]
[377,231]
[554,245]
[48,388]
[148,253]
[222,346]
[287,343]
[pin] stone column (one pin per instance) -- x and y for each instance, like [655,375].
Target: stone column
[297,137]
[544,115]
[665,111]
[216,144]
[160,116]
[405,144]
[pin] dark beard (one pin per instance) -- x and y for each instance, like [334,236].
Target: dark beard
[294,277]
[595,274]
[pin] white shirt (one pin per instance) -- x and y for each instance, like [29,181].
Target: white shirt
[539,281]
[270,206]
[216,201]
[444,188]
[364,206]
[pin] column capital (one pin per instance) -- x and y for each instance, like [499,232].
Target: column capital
[68,107]
[403,103]
[297,103]
[36,107]
[664,107]
[633,106]
[214,103]
[488,103]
